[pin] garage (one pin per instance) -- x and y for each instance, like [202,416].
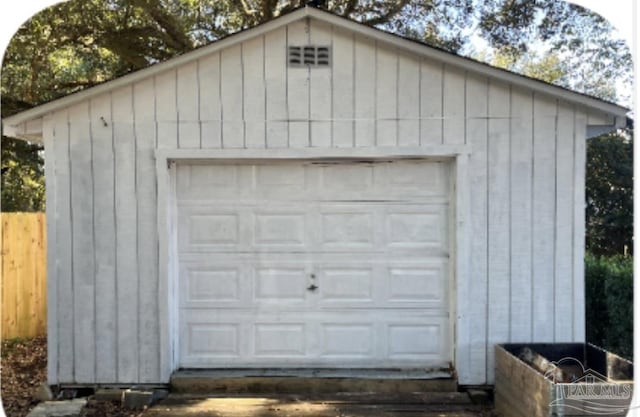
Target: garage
[383,204]
[317,264]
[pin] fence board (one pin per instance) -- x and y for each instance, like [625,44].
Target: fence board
[24,275]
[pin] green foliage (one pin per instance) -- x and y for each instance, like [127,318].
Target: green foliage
[548,67]
[79,43]
[76,44]
[22,176]
[609,194]
[609,303]
[594,57]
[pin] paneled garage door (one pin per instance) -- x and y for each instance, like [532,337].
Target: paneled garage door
[314,264]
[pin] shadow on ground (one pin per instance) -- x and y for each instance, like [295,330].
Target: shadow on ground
[336,405]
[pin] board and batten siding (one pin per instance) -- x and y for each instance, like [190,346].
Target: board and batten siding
[525,188]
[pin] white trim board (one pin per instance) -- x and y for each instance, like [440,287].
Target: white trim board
[167,273]
[313,153]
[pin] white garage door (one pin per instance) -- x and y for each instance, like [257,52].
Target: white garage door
[314,264]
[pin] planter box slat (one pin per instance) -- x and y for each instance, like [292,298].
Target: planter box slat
[522,391]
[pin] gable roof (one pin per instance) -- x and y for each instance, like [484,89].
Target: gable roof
[418,48]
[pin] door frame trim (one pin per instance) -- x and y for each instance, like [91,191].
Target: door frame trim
[167,229]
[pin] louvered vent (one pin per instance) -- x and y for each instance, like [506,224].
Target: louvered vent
[309,56]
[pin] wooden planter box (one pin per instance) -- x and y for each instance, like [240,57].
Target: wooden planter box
[602,382]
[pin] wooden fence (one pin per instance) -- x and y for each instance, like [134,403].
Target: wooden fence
[24,275]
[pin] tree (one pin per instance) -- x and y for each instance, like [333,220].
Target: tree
[80,43]
[609,192]
[22,176]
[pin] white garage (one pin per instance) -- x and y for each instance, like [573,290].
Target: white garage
[321,264]
[312,193]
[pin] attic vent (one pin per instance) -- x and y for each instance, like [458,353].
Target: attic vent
[311,56]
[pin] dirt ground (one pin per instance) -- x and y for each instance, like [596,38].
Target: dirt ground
[24,365]
[24,368]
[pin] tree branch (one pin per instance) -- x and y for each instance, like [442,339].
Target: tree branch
[386,16]
[351,6]
[175,35]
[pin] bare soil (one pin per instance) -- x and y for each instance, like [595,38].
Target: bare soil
[107,409]
[24,365]
[24,368]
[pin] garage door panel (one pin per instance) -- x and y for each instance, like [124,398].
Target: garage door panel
[213,284]
[195,181]
[315,264]
[418,228]
[424,179]
[220,284]
[411,284]
[328,339]
[280,284]
[278,229]
[213,229]
[285,177]
[416,341]
[280,339]
[295,181]
[343,177]
[353,340]
[204,229]
[220,340]
[384,180]
[365,282]
[236,229]
[347,230]
[346,284]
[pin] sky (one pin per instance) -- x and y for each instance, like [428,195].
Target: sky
[620,13]
[623,14]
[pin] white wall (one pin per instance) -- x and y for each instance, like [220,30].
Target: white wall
[526,188]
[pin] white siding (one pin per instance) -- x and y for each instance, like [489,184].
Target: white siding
[254,93]
[431,97]
[475,339]
[210,107]
[188,106]
[521,214]
[275,73]
[343,87]
[543,234]
[147,249]
[49,132]
[365,91]
[320,92]
[104,229]
[498,230]
[525,188]
[61,270]
[298,90]
[126,233]
[563,288]
[82,248]
[453,108]
[409,101]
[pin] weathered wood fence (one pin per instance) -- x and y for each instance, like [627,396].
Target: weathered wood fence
[24,275]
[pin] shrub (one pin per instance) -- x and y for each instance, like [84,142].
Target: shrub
[609,303]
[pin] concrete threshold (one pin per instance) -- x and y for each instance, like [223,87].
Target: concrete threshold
[312,381]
